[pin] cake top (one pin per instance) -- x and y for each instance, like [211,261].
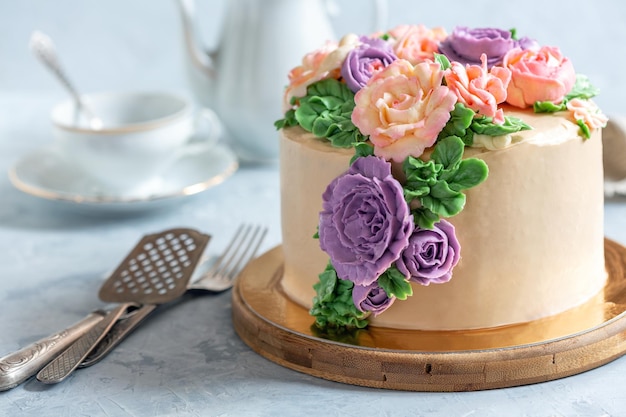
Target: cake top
[416,97]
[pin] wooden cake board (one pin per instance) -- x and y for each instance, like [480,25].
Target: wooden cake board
[572,342]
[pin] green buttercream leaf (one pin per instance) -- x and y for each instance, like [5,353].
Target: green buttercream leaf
[420,176]
[443,200]
[513,34]
[288,121]
[425,218]
[443,61]
[458,125]
[548,107]
[333,305]
[584,129]
[362,149]
[485,126]
[395,284]
[326,112]
[448,152]
[470,173]
[582,89]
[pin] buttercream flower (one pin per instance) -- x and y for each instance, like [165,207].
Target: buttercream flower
[478,88]
[416,43]
[467,45]
[588,112]
[365,222]
[538,75]
[431,254]
[322,63]
[371,298]
[403,108]
[366,60]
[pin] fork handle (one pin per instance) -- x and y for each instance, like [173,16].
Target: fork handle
[18,366]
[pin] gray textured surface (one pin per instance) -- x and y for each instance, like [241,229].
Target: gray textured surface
[187,361]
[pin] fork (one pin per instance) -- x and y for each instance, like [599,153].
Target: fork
[220,277]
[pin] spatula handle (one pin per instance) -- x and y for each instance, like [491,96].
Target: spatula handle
[18,366]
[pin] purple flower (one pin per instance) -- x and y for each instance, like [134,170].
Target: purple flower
[431,254]
[365,60]
[466,45]
[371,298]
[365,223]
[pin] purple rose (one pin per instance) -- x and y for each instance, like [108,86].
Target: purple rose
[371,298]
[466,45]
[366,60]
[431,254]
[365,223]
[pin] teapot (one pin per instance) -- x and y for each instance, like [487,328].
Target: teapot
[244,78]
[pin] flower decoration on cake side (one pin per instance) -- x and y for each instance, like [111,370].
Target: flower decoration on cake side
[409,101]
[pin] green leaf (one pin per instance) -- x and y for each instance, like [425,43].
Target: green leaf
[326,112]
[582,89]
[288,121]
[443,61]
[513,33]
[584,129]
[448,152]
[333,305]
[444,201]
[470,173]
[548,107]
[460,120]
[395,284]
[425,218]
[362,149]
[485,126]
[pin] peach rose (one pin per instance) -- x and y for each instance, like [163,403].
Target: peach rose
[416,43]
[317,65]
[403,108]
[588,112]
[538,75]
[478,88]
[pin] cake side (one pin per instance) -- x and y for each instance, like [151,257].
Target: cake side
[532,234]
[455,182]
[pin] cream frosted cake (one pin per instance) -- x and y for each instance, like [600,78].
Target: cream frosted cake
[440,181]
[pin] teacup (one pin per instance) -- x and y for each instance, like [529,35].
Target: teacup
[142,133]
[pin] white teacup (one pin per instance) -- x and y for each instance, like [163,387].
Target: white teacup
[141,135]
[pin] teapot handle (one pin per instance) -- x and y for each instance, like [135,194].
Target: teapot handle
[381,13]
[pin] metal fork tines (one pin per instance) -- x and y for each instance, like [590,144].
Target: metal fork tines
[241,249]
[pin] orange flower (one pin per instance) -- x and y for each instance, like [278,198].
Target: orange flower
[403,108]
[416,43]
[538,75]
[478,88]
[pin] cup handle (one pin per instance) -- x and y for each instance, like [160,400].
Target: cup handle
[207,131]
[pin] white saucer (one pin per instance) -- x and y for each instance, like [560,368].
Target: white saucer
[46,173]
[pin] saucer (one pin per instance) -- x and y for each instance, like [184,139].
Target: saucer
[48,174]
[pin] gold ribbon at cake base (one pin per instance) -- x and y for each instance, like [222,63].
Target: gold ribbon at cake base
[577,340]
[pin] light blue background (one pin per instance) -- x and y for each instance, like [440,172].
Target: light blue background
[122,44]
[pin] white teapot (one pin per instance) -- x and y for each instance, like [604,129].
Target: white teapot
[243,80]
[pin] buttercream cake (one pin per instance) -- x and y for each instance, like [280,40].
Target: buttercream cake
[440,181]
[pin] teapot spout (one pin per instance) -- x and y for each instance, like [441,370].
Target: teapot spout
[199,58]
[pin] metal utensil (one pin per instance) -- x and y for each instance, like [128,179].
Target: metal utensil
[219,277]
[44,49]
[156,272]
[159,266]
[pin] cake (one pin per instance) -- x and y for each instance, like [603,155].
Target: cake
[436,181]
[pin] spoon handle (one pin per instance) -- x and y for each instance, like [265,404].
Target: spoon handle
[18,366]
[44,49]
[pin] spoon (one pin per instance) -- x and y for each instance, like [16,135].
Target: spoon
[44,49]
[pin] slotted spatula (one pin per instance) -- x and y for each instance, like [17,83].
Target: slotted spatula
[155,271]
